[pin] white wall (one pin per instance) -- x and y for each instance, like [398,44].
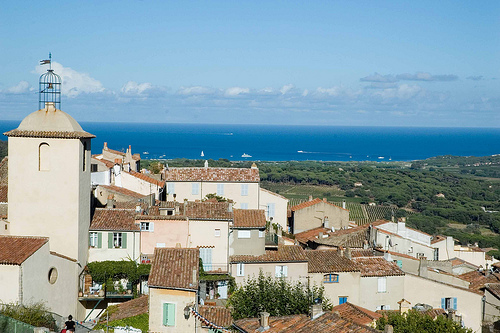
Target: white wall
[296,271]
[371,299]
[280,207]
[348,286]
[132,249]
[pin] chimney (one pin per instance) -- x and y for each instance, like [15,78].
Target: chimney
[254,166]
[206,163]
[422,269]
[110,202]
[316,309]
[324,199]
[185,206]
[343,204]
[347,253]
[263,321]
[310,198]
[105,145]
[177,208]
[320,235]
[341,251]
[229,206]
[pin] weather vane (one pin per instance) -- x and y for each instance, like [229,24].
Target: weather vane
[49,61]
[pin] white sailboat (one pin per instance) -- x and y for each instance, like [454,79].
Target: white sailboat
[202,154]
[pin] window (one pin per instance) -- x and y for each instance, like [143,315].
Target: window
[244,205]
[436,254]
[206,258]
[44,157]
[420,255]
[240,269]
[117,240]
[382,284]
[262,233]
[95,239]
[342,299]
[168,314]
[93,167]
[220,189]
[147,226]
[331,278]
[281,271]
[195,188]
[217,232]
[383,307]
[270,210]
[399,263]
[53,275]
[244,234]
[170,188]
[449,303]
[244,189]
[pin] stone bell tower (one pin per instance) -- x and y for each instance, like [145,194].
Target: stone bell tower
[49,175]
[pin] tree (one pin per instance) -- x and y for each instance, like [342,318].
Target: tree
[277,296]
[416,322]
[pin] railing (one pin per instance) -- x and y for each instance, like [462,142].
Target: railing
[271,239]
[8,324]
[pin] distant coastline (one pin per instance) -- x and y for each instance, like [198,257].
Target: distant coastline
[289,142]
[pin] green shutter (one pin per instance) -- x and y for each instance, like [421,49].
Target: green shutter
[99,240]
[124,240]
[165,314]
[168,314]
[110,240]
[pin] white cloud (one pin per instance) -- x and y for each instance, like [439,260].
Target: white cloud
[334,91]
[402,92]
[133,88]
[20,88]
[376,77]
[305,93]
[286,88]
[196,90]
[73,83]
[235,91]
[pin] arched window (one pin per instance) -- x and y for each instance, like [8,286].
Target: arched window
[44,157]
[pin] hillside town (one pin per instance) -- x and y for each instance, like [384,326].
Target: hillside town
[203,232]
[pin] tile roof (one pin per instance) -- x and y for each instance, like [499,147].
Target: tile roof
[123,191]
[130,205]
[327,322]
[479,279]
[3,193]
[493,288]
[49,134]
[114,219]
[128,309]
[207,210]
[459,262]
[62,256]
[354,238]
[14,250]
[356,313]
[434,313]
[397,254]
[219,315]
[377,267]
[109,164]
[355,253]
[4,171]
[246,175]
[249,218]
[175,268]
[146,178]
[310,235]
[285,253]
[437,238]
[312,203]
[326,261]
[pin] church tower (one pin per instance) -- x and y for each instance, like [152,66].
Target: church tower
[49,175]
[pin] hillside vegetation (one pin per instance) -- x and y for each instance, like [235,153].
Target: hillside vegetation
[3,149]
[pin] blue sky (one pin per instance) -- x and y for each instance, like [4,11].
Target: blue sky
[366,63]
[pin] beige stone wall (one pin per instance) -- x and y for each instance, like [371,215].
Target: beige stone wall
[297,271]
[371,299]
[169,232]
[138,185]
[53,203]
[313,217]
[491,308]
[255,245]
[132,249]
[421,290]
[280,207]
[348,286]
[181,299]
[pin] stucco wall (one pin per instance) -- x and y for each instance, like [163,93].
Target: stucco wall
[132,249]
[58,199]
[370,298]
[313,217]
[491,308]
[348,286]
[297,271]
[402,245]
[280,210]
[421,290]
[137,184]
[9,276]
[255,245]
[157,297]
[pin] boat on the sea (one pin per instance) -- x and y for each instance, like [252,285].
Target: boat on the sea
[381,157]
[246,155]
[202,154]
[145,152]
[300,151]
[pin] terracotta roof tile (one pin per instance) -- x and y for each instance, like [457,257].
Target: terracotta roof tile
[207,210]
[479,279]
[249,218]
[354,238]
[285,253]
[175,268]
[327,322]
[326,261]
[493,288]
[62,256]
[437,238]
[114,219]
[377,267]
[356,313]
[3,193]
[49,134]
[130,205]
[312,203]
[219,315]
[14,250]
[146,178]
[109,164]
[117,152]
[310,235]
[128,309]
[356,253]
[123,190]
[435,312]
[458,262]
[246,175]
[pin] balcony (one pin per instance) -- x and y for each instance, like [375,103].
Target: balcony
[271,239]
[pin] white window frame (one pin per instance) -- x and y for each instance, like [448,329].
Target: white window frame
[382,284]
[246,234]
[220,190]
[147,226]
[94,239]
[170,188]
[240,269]
[217,232]
[271,207]
[281,271]
[195,188]
[244,190]
[117,240]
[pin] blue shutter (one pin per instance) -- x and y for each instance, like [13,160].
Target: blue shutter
[99,240]
[168,314]
[110,240]
[400,263]
[124,240]
[443,303]
[454,303]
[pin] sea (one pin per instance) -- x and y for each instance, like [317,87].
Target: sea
[284,143]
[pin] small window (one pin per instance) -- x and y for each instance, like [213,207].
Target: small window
[342,299]
[330,278]
[420,255]
[84,157]
[217,232]
[53,275]
[449,303]
[93,239]
[146,226]
[244,205]
[170,188]
[93,167]
[382,284]
[220,189]
[436,254]
[117,240]
[168,314]
[244,234]
[281,271]
[195,188]
[262,233]
[383,307]
[244,189]
[270,210]
[44,157]
[240,269]
[170,212]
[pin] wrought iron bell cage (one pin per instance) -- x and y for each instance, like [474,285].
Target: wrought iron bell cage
[49,89]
